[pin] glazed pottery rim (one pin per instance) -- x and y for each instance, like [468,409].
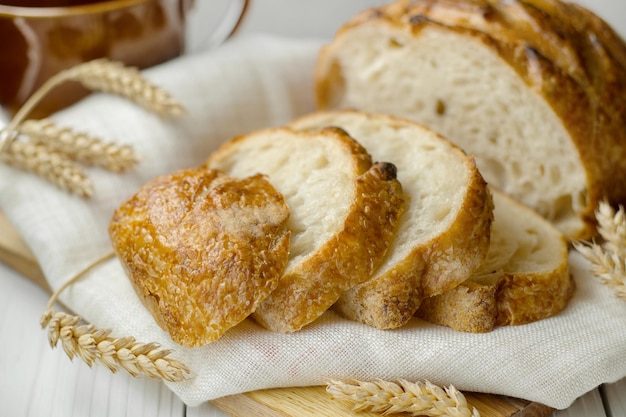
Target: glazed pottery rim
[102,6]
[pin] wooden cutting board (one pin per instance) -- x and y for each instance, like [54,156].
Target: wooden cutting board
[283,402]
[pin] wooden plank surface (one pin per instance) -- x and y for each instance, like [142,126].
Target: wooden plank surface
[615,398]
[314,401]
[15,254]
[283,402]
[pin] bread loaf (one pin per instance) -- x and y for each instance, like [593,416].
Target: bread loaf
[525,277]
[535,89]
[443,236]
[344,213]
[202,249]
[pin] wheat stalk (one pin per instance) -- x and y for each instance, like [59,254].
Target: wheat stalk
[420,398]
[612,228]
[53,148]
[52,166]
[94,345]
[110,77]
[608,259]
[79,146]
[609,267]
[113,77]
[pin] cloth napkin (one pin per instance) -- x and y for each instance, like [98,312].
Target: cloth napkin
[258,82]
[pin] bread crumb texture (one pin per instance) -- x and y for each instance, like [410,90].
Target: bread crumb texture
[534,90]
[443,235]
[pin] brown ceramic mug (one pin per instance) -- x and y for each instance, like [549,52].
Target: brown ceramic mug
[39,38]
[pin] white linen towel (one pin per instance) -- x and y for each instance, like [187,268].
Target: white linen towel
[252,83]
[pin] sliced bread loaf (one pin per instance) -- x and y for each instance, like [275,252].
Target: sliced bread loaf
[344,213]
[443,236]
[525,277]
[536,90]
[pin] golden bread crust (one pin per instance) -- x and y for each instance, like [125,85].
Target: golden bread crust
[565,53]
[390,300]
[470,307]
[202,249]
[514,299]
[311,288]
[513,296]
[525,298]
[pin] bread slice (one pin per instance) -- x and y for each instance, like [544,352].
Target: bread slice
[443,236]
[202,249]
[525,277]
[536,90]
[344,213]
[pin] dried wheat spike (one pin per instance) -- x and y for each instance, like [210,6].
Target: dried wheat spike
[52,166]
[612,228]
[608,260]
[114,77]
[79,146]
[418,398]
[93,345]
[608,266]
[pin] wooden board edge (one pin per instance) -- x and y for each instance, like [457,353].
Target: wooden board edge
[314,401]
[535,410]
[241,405]
[15,254]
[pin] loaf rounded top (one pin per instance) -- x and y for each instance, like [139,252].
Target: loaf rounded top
[202,249]
[564,55]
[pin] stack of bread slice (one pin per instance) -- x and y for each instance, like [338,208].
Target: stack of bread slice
[534,89]
[443,236]
[524,276]
[344,214]
[282,224]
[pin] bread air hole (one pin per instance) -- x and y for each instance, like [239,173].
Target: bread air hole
[542,170]
[394,43]
[441,107]
[527,188]
[555,175]
[321,162]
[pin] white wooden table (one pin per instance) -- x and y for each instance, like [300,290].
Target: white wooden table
[36,381]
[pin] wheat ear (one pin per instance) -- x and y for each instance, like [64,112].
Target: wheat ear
[114,77]
[52,166]
[53,149]
[608,259]
[79,146]
[93,345]
[110,77]
[612,228]
[609,267]
[420,398]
